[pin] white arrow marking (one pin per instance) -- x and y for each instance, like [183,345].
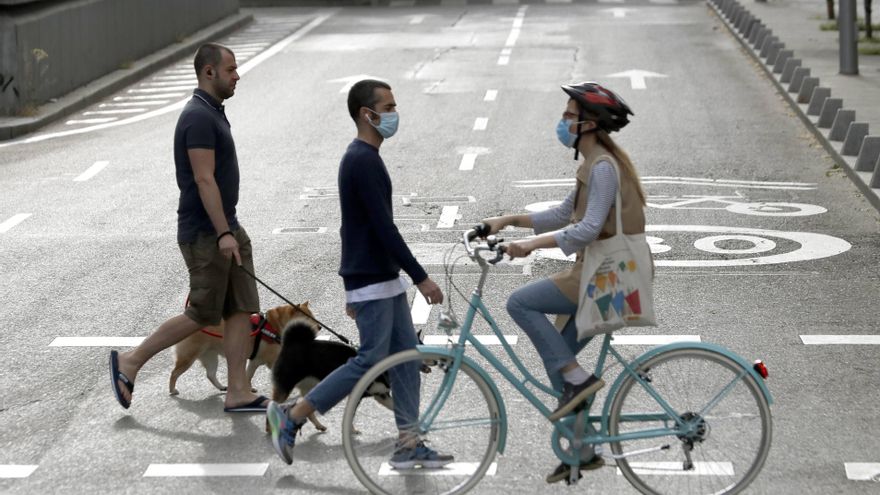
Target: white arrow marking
[637,77]
[350,80]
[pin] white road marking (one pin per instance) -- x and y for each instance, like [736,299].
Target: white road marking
[664,2]
[557,1]
[513,36]
[204,470]
[96,341]
[481,123]
[653,339]
[115,112]
[177,77]
[710,244]
[693,181]
[417,19]
[448,217]
[402,3]
[421,310]
[91,171]
[12,222]
[491,95]
[637,77]
[300,230]
[161,84]
[611,1]
[505,2]
[453,469]
[350,80]
[840,339]
[619,12]
[503,60]
[17,470]
[90,121]
[862,471]
[483,339]
[675,468]
[467,161]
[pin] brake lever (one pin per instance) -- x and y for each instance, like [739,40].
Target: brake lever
[493,242]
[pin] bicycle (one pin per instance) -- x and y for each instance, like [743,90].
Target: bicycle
[679,409]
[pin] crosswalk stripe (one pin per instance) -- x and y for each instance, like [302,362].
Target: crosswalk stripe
[91,171]
[159,90]
[653,339]
[862,471]
[206,470]
[13,221]
[840,339]
[133,104]
[483,339]
[115,112]
[17,470]
[96,341]
[90,121]
[447,217]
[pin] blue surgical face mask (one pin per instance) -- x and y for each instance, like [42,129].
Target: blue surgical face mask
[566,137]
[388,122]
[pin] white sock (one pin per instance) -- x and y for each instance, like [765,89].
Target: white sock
[575,376]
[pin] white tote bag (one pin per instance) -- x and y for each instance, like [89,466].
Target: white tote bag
[617,282]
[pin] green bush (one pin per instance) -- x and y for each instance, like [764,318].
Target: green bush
[832,25]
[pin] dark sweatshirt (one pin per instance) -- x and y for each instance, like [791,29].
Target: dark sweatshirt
[373,250]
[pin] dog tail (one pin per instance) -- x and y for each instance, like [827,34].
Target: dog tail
[298,332]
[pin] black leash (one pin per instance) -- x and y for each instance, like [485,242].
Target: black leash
[340,337]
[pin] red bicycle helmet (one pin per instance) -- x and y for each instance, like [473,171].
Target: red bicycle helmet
[610,108]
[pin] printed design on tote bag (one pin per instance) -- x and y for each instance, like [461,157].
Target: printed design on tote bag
[609,290]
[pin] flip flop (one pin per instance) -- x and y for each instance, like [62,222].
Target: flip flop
[256,406]
[117,376]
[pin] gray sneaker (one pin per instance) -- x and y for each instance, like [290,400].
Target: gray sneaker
[420,455]
[283,429]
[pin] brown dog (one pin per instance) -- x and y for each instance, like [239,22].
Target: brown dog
[207,345]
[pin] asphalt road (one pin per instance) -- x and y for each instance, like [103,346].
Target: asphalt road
[759,242]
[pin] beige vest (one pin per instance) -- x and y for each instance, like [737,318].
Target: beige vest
[632,216]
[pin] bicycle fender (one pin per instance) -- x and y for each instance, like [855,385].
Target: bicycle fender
[502,411]
[688,345]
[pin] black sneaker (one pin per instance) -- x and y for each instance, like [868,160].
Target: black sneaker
[573,396]
[563,470]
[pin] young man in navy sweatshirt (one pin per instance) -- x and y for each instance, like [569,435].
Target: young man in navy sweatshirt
[373,254]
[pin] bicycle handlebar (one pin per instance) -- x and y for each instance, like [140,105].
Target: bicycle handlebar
[492,244]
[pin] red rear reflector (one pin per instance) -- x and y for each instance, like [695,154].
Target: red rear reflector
[761,368]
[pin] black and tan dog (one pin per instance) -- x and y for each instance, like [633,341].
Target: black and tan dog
[206,345]
[304,361]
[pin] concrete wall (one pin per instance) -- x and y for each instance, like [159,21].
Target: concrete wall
[49,48]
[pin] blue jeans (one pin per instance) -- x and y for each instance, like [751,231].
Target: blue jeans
[385,327]
[529,306]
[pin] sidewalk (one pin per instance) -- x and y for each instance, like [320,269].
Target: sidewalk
[796,24]
[11,127]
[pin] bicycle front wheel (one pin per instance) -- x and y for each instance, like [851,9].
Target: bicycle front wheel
[453,413]
[728,432]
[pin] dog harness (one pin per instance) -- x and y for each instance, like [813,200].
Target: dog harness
[260,330]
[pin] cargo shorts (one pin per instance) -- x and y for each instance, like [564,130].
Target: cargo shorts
[218,288]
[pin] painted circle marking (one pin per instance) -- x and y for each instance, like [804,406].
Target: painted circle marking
[775,209]
[710,244]
[656,244]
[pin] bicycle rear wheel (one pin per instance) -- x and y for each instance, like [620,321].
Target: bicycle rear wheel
[728,442]
[465,425]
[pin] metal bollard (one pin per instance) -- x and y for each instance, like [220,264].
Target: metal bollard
[849,35]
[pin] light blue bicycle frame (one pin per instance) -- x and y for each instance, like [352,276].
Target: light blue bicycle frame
[564,427]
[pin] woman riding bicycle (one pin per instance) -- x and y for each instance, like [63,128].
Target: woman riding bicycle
[586,214]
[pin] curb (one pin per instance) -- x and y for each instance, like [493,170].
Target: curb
[843,137]
[93,92]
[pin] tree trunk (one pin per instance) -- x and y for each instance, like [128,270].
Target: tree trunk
[830,4]
[869,32]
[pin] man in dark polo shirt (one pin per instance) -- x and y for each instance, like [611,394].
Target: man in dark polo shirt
[211,240]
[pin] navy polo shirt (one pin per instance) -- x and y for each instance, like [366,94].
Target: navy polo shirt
[202,125]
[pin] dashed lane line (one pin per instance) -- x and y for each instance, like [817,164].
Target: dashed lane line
[448,216]
[92,171]
[452,469]
[17,470]
[652,339]
[483,339]
[467,161]
[840,339]
[206,470]
[481,123]
[862,471]
[675,468]
[491,95]
[13,221]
